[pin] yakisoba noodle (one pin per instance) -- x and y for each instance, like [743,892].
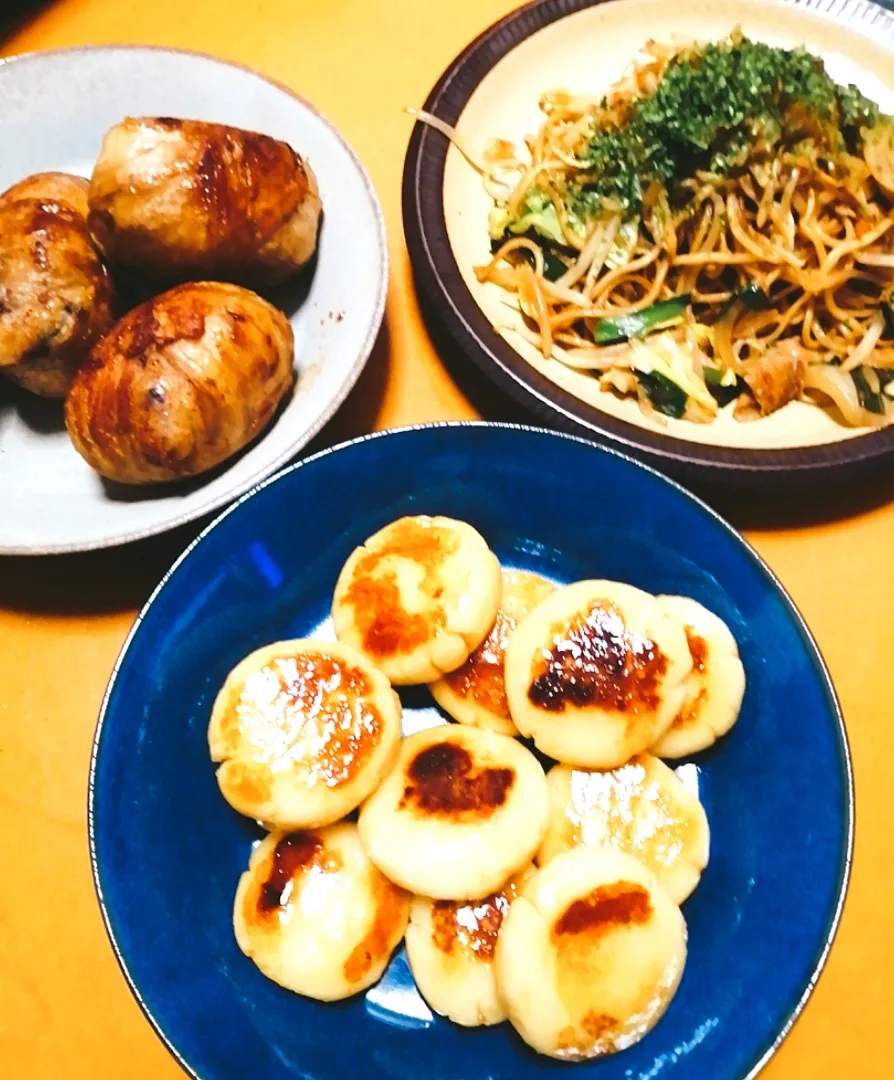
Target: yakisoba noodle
[719,228]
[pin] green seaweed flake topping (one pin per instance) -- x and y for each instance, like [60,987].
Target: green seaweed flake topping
[712,106]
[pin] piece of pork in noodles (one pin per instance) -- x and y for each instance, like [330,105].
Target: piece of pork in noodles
[777,377]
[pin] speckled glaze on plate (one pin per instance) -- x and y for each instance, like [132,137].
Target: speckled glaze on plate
[492,89]
[168,851]
[54,109]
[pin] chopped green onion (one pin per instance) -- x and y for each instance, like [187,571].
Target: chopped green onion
[609,331]
[753,297]
[750,296]
[663,394]
[553,267]
[870,400]
[722,394]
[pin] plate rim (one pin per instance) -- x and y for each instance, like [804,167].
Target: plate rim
[813,649]
[446,299]
[371,336]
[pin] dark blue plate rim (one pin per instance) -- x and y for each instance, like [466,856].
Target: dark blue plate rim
[750,552]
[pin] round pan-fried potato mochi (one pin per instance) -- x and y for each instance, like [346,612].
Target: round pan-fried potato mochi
[589,955]
[315,914]
[476,692]
[641,808]
[460,812]
[304,731]
[450,949]
[596,673]
[716,684]
[418,597]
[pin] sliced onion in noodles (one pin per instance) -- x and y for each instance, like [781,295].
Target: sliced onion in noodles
[867,258]
[624,382]
[596,358]
[593,358]
[723,339]
[837,385]
[598,245]
[519,243]
[862,352]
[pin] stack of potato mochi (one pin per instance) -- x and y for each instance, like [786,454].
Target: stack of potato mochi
[549,899]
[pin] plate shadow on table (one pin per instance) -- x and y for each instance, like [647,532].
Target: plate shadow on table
[815,505]
[122,579]
[91,582]
[746,508]
[484,397]
[15,15]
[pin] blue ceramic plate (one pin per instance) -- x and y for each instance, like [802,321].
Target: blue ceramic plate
[168,851]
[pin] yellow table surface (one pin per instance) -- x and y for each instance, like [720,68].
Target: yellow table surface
[65,1010]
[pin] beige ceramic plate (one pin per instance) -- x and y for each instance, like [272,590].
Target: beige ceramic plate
[54,109]
[493,90]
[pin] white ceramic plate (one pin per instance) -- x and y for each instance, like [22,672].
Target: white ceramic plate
[492,89]
[54,109]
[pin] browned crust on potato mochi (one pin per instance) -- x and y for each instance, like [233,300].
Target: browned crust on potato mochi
[595,660]
[391,908]
[338,736]
[691,711]
[620,903]
[385,626]
[294,855]
[481,677]
[444,780]
[472,926]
